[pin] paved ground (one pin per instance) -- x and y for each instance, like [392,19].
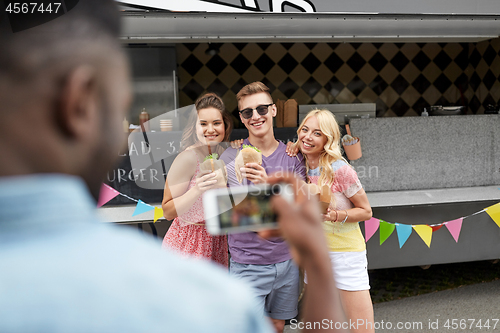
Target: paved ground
[455,310]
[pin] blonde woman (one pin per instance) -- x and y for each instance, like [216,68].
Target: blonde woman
[319,142]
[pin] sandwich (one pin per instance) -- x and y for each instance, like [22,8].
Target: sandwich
[249,154]
[212,164]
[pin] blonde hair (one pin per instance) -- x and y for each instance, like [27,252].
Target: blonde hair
[332,150]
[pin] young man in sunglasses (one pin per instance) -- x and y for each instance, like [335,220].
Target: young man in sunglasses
[264,263]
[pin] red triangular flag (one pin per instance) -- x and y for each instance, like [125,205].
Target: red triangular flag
[436,227]
[107,193]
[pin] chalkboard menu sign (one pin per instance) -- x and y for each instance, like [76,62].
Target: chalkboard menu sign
[144,165]
[142,170]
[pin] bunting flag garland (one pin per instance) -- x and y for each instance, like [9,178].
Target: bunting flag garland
[386,230]
[158,214]
[404,232]
[142,207]
[106,194]
[371,226]
[425,232]
[454,228]
[494,213]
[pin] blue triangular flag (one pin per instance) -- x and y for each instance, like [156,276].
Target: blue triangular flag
[404,231]
[142,208]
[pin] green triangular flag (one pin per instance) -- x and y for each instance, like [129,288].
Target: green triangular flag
[386,230]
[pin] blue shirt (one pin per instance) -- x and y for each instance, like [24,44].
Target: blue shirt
[248,247]
[61,270]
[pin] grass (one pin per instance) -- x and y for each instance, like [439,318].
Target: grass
[396,283]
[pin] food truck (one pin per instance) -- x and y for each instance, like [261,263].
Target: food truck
[418,82]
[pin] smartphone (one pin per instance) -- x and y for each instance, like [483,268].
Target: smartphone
[243,208]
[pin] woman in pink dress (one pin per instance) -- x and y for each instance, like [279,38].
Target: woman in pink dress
[209,125]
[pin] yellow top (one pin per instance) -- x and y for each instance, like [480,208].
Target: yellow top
[345,237]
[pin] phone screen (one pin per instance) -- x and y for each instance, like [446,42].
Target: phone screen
[247,211]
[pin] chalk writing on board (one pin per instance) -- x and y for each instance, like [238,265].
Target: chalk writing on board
[144,175]
[144,148]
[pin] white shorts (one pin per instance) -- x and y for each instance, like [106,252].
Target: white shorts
[350,270]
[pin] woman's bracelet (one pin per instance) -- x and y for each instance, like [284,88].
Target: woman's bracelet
[336,216]
[346,216]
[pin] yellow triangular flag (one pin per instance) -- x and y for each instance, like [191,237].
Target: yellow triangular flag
[158,214]
[425,232]
[494,213]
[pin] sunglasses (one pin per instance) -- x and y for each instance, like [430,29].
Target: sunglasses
[261,110]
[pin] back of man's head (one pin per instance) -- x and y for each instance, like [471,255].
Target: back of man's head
[27,53]
[55,79]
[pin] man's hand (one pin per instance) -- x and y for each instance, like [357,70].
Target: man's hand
[299,223]
[254,173]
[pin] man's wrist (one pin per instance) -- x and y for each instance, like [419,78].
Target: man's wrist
[318,261]
[316,254]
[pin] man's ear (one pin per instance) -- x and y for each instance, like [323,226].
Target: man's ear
[77,112]
[274,110]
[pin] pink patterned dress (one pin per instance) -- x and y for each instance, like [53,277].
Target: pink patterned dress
[188,236]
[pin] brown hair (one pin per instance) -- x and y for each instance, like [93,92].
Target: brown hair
[209,100]
[253,88]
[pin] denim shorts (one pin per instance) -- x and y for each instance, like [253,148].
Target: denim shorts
[276,286]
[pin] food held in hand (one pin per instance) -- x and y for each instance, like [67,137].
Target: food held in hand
[249,154]
[325,198]
[212,164]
